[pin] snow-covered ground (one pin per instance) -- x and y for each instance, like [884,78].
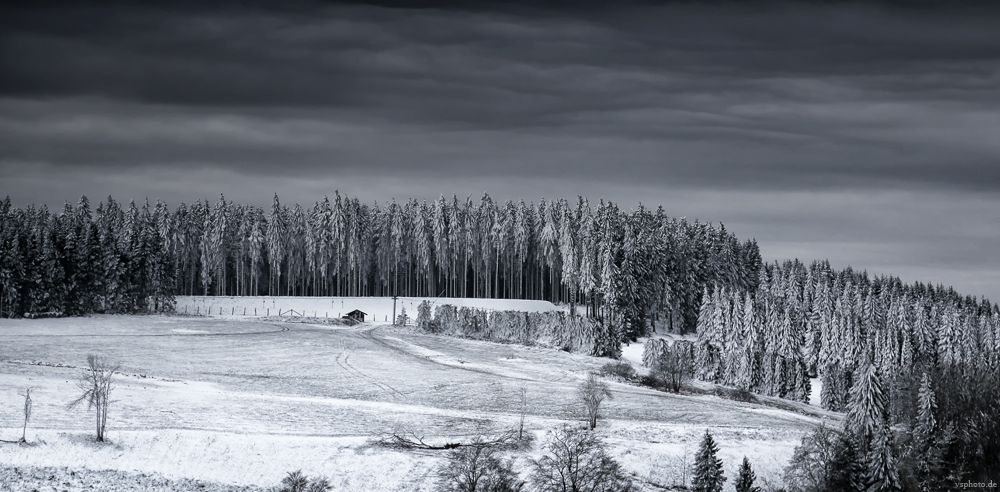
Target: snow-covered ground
[378,309]
[815,391]
[243,401]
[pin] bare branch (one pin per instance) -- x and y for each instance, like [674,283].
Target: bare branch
[28,405]
[96,383]
[403,438]
[592,392]
[27,413]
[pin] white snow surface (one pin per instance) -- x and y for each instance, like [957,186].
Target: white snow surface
[244,401]
[816,391]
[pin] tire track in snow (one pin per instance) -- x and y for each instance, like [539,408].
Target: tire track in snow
[368,334]
[343,360]
[570,380]
[106,335]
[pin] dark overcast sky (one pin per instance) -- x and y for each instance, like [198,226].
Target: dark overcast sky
[863,132]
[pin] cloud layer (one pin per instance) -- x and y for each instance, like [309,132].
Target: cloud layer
[824,130]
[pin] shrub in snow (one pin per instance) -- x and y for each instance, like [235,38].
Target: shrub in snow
[478,467]
[553,328]
[446,318]
[424,317]
[621,370]
[575,459]
[402,319]
[738,394]
[673,365]
[297,482]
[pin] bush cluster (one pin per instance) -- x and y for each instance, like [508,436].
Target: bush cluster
[574,460]
[553,328]
[620,370]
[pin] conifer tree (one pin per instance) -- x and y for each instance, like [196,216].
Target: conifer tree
[867,413]
[707,350]
[708,475]
[880,464]
[751,350]
[868,424]
[424,316]
[926,449]
[926,407]
[257,241]
[275,246]
[949,337]
[745,478]
[924,332]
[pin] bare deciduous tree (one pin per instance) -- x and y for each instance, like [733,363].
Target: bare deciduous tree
[593,391]
[96,383]
[478,467]
[576,460]
[673,368]
[27,413]
[523,410]
[27,417]
[297,482]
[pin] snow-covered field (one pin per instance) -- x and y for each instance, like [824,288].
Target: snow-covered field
[243,401]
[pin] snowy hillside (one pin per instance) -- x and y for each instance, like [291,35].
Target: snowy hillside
[244,401]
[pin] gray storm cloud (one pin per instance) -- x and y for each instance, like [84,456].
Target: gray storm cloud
[857,131]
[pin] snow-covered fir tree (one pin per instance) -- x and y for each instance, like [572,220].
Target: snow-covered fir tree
[707,475]
[868,411]
[880,463]
[745,478]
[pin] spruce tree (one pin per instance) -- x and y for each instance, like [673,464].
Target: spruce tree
[927,452]
[749,369]
[868,408]
[844,473]
[868,424]
[746,477]
[708,476]
[706,336]
[880,464]
[424,316]
[926,406]
[275,242]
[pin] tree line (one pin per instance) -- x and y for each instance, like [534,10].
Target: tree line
[553,328]
[632,268]
[79,260]
[916,367]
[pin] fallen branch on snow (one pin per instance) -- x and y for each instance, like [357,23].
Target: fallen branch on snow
[403,438]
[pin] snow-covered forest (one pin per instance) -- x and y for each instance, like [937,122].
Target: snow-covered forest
[916,358]
[640,267]
[889,354]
